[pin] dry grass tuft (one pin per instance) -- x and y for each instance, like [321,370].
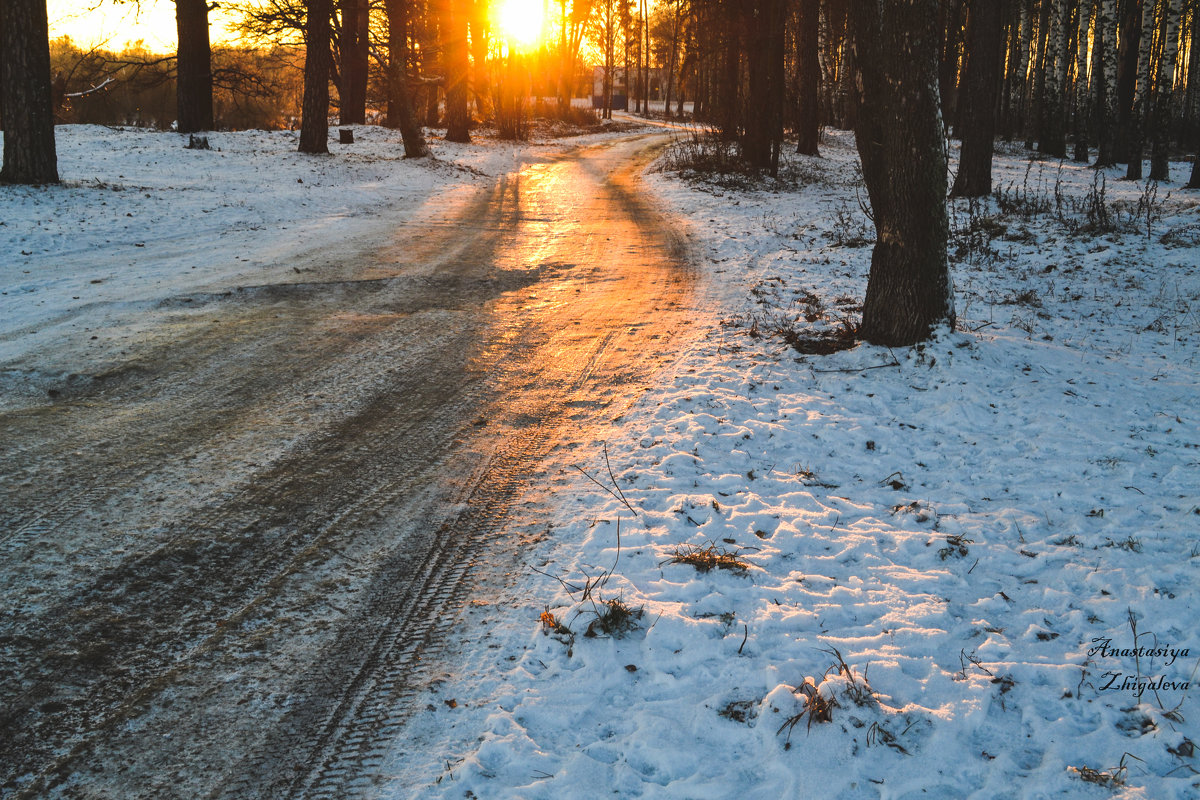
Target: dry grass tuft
[1110,778]
[817,707]
[551,624]
[708,558]
[613,618]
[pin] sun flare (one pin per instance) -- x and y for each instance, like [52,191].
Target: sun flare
[520,20]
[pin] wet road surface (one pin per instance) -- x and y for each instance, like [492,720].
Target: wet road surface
[227,558]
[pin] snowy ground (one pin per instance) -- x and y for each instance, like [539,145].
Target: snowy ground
[139,218]
[954,546]
[951,544]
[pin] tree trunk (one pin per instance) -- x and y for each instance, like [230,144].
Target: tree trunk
[847,90]
[986,39]
[353,47]
[314,120]
[825,62]
[673,46]
[899,137]
[456,61]
[481,36]
[1035,106]
[809,126]
[1019,98]
[1191,99]
[432,58]
[25,94]
[401,111]
[1130,30]
[1052,139]
[951,12]
[1106,94]
[1137,127]
[1160,166]
[193,85]
[397,12]
[1083,94]
[644,50]
[609,35]
[639,91]
[763,121]
[729,97]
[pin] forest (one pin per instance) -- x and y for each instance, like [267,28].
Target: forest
[815,417]
[1108,80]
[1099,81]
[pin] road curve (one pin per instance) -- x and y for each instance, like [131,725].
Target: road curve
[227,561]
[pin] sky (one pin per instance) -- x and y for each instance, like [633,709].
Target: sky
[113,24]
[117,24]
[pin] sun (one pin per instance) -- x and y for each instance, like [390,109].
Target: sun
[520,20]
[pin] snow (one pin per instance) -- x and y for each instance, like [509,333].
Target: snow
[173,222]
[966,523]
[954,545]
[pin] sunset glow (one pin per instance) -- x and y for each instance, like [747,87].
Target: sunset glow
[115,26]
[520,20]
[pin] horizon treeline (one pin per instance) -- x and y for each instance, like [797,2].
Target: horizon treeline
[1103,80]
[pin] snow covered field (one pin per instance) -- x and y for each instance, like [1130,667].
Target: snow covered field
[957,548]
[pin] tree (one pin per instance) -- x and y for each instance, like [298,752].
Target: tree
[574,16]
[481,67]
[1082,87]
[671,28]
[314,120]
[608,29]
[899,138]
[1106,94]
[401,112]
[194,84]
[1159,163]
[452,23]
[26,105]
[353,50]
[763,122]
[985,39]
[1137,140]
[1052,133]
[808,74]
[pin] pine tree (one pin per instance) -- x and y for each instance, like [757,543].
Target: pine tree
[808,126]
[452,23]
[314,119]
[25,94]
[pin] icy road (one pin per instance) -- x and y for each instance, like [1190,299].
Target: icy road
[231,549]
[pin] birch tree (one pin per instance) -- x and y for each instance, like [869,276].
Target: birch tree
[1137,139]
[1163,105]
[1106,90]
[1083,93]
